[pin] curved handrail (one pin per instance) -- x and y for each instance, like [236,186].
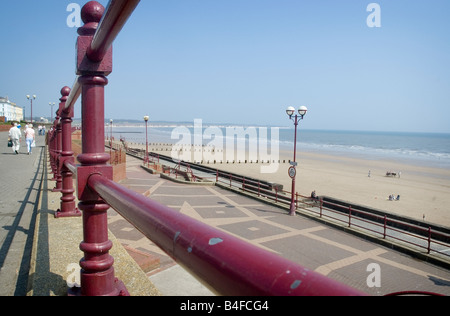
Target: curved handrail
[226,264]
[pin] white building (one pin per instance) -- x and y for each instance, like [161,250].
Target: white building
[10,110]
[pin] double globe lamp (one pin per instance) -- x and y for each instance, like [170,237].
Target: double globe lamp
[290,111]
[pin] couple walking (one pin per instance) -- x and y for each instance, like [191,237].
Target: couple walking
[15,134]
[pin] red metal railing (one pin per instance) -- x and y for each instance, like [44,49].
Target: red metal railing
[228,265]
[225,263]
[117,153]
[427,238]
[423,238]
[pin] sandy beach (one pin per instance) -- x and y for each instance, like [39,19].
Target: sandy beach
[424,191]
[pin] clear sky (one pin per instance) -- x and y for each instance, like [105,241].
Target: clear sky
[245,61]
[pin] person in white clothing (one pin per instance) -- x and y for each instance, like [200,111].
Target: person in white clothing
[15,134]
[30,136]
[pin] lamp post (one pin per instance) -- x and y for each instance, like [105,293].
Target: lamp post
[146,118]
[292,169]
[31,98]
[110,139]
[110,125]
[51,111]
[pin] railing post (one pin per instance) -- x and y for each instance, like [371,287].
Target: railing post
[349,216]
[384,227]
[321,207]
[57,153]
[50,147]
[429,240]
[52,150]
[97,272]
[68,207]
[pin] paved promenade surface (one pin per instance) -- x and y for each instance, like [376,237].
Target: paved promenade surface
[334,253]
[338,255]
[20,180]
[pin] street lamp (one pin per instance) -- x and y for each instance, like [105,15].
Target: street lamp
[290,111]
[51,112]
[31,98]
[110,125]
[146,118]
[110,140]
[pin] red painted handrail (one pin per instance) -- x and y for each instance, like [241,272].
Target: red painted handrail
[74,95]
[115,17]
[227,264]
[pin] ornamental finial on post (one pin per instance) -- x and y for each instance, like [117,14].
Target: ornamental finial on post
[97,273]
[66,112]
[65,92]
[91,15]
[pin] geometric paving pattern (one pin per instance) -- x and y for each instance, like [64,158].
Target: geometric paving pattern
[336,254]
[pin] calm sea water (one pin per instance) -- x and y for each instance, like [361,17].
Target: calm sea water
[421,148]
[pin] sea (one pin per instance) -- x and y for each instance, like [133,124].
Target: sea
[424,149]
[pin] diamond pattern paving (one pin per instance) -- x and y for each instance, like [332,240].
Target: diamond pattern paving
[334,253]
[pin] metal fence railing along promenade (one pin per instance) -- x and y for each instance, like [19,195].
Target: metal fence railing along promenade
[422,238]
[226,264]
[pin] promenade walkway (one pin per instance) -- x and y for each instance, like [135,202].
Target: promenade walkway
[26,224]
[339,255]
[20,184]
[39,254]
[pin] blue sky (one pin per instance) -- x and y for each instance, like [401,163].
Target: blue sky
[245,61]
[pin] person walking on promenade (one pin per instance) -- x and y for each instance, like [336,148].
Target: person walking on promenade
[15,134]
[30,136]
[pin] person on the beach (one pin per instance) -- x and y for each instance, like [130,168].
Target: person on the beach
[15,134]
[314,195]
[29,137]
